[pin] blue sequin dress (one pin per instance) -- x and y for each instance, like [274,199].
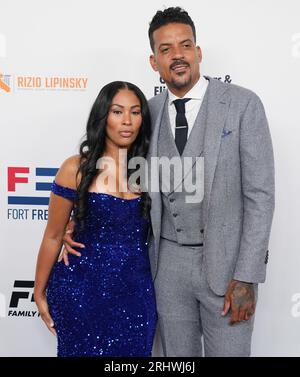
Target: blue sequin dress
[103,303]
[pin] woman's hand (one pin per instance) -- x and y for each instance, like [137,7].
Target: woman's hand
[42,304]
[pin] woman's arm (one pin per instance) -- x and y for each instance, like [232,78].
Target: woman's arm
[58,216]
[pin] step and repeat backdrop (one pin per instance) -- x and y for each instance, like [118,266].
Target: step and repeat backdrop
[54,58]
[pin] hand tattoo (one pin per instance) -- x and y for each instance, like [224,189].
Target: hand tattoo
[240,298]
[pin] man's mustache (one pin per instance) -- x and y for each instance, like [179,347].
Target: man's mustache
[178,62]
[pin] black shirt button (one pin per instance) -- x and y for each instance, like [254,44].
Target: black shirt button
[178,230]
[172,200]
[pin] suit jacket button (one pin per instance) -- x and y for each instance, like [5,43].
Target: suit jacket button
[202,231]
[178,230]
[267,257]
[175,214]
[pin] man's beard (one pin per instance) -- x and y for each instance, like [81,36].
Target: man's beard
[179,84]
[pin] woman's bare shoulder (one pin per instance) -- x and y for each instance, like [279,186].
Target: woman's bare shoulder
[67,173]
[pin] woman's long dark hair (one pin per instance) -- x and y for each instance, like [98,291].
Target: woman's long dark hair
[92,148]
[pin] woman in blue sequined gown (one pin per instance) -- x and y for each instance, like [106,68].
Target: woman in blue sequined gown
[102,303]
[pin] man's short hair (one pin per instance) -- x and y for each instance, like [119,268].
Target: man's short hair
[167,16]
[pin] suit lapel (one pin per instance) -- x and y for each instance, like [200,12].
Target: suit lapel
[153,172]
[218,105]
[152,151]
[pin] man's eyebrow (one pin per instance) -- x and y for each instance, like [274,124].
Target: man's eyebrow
[169,44]
[165,45]
[187,40]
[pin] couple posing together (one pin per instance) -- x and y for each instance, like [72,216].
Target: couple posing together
[135,259]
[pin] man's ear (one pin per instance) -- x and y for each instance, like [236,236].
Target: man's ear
[153,63]
[199,52]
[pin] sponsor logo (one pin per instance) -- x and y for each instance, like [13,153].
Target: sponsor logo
[162,84]
[159,88]
[28,188]
[42,83]
[22,299]
[5,83]
[51,83]
[226,78]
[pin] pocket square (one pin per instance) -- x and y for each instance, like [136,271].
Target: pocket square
[226,133]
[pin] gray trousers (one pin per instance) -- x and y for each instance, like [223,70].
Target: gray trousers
[189,310]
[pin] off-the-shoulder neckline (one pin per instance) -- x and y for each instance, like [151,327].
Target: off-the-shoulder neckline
[100,193]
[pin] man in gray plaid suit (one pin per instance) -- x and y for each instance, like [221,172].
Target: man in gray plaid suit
[207,257]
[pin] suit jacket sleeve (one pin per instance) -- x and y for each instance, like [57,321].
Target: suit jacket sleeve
[257,171]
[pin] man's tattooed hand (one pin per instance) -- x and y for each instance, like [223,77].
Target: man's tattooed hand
[240,298]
